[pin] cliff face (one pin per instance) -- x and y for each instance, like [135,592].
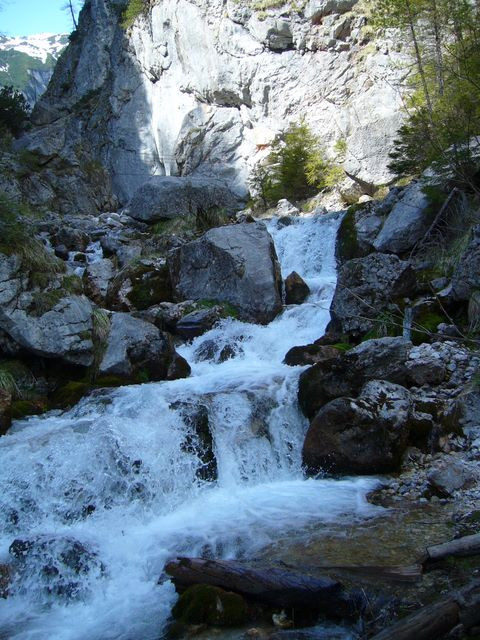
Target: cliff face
[202,87]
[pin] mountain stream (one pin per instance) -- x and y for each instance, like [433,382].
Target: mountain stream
[99,497]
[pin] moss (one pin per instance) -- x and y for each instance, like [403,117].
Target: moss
[72,284]
[347,244]
[207,604]
[426,323]
[22,408]
[44,301]
[342,346]
[109,381]
[228,310]
[69,394]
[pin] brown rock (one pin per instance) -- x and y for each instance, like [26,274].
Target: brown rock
[5,411]
[296,289]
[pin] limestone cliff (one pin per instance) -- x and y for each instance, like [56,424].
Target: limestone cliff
[202,87]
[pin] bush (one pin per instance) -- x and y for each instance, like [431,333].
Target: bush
[14,110]
[133,9]
[295,169]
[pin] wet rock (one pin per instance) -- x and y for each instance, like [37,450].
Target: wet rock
[452,476]
[236,264]
[72,239]
[205,603]
[5,578]
[138,348]
[166,197]
[296,289]
[57,566]
[381,358]
[198,439]
[366,435]
[198,322]
[286,208]
[311,354]
[407,222]
[5,411]
[141,284]
[366,288]
[96,280]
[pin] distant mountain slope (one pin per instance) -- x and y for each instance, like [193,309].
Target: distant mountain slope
[27,62]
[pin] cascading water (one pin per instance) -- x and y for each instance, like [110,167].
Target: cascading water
[98,498]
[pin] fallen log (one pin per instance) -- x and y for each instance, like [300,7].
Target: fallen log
[466,546]
[273,585]
[403,573]
[430,623]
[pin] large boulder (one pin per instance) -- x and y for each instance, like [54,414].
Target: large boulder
[407,222]
[382,358]
[466,278]
[296,289]
[136,349]
[48,322]
[364,435]
[368,287]
[167,197]
[235,264]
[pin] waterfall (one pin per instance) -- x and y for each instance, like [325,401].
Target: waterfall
[209,465]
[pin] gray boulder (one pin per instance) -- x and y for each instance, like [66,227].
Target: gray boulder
[364,435]
[167,197]
[466,278]
[96,280]
[137,347]
[452,475]
[235,264]
[316,9]
[407,222]
[366,288]
[382,358]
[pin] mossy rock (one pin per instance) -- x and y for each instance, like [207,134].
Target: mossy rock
[426,319]
[205,603]
[347,241]
[69,394]
[23,408]
[109,381]
[228,310]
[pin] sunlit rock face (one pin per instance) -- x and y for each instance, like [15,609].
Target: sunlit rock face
[201,88]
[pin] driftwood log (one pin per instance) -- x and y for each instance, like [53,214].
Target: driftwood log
[466,546]
[430,623]
[273,585]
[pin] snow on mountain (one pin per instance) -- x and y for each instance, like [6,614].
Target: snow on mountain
[38,46]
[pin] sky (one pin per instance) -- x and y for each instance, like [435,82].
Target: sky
[27,17]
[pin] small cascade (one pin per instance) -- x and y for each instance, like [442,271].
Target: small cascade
[98,498]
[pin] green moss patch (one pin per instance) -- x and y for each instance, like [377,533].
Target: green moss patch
[204,603]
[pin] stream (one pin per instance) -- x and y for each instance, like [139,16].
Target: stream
[99,497]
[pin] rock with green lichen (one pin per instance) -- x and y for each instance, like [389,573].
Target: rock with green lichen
[205,603]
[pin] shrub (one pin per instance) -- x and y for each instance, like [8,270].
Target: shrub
[14,110]
[295,169]
[131,12]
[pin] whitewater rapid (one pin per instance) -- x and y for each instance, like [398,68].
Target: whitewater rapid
[120,474]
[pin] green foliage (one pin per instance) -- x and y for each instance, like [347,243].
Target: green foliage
[131,12]
[296,167]
[443,107]
[14,110]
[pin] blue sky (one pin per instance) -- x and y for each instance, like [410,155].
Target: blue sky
[26,17]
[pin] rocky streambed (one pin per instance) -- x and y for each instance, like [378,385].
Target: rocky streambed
[206,458]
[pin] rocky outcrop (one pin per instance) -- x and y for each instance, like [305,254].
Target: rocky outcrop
[407,222]
[231,78]
[140,284]
[163,198]
[364,435]
[46,324]
[368,287]
[235,264]
[138,349]
[466,278]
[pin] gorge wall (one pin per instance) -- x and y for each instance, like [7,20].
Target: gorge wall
[201,88]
